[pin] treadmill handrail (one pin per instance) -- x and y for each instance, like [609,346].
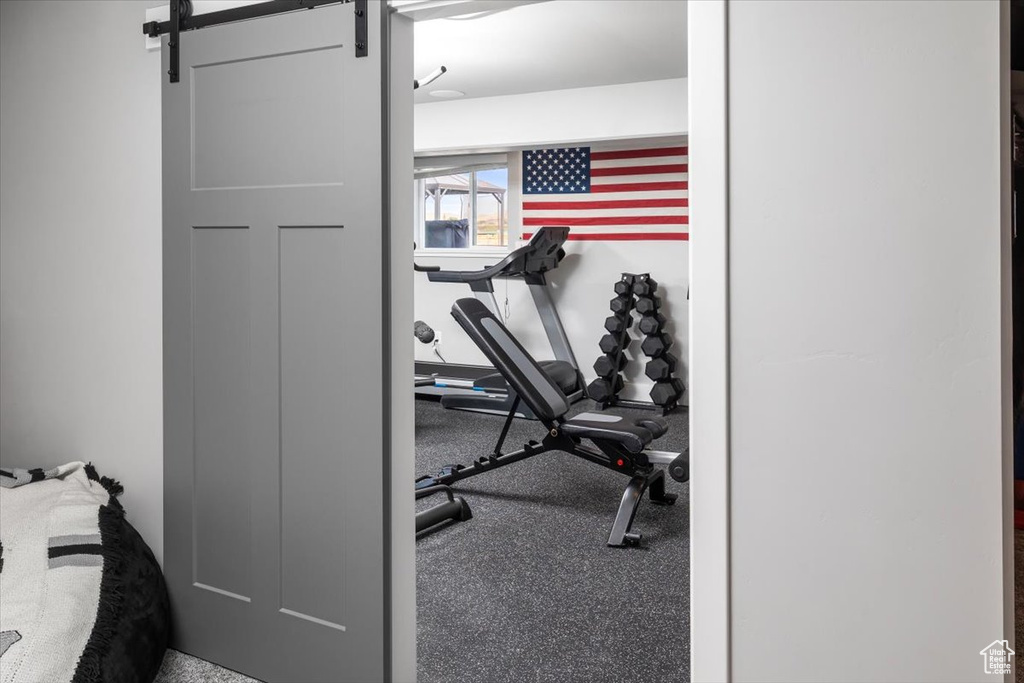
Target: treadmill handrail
[488,272]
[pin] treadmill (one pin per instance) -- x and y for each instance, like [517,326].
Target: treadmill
[481,389]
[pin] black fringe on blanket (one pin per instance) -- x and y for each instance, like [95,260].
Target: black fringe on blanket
[129,638]
[112,486]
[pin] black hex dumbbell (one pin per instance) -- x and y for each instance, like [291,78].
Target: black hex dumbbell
[621,304]
[648,305]
[656,344]
[615,323]
[606,366]
[624,287]
[602,390]
[661,367]
[609,344]
[645,285]
[667,392]
[652,324]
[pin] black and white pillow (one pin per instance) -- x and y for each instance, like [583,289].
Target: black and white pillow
[82,598]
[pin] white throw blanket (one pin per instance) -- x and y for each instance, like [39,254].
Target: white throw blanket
[51,566]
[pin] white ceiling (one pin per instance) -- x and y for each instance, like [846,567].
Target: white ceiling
[553,45]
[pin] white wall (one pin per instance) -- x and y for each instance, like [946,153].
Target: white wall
[869,419]
[632,115]
[608,112]
[80,309]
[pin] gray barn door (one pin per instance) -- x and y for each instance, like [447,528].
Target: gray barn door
[274,410]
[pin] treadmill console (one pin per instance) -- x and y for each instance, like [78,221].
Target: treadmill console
[543,252]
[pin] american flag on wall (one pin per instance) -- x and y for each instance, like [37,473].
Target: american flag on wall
[612,195]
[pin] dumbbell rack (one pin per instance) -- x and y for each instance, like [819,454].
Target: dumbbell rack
[635,292]
[605,389]
[661,367]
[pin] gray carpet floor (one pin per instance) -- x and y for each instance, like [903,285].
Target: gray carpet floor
[527,590]
[181,668]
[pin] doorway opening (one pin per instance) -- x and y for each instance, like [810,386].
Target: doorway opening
[547,116]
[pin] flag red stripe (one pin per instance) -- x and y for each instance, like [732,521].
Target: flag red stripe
[609,220]
[638,153]
[641,187]
[625,237]
[638,170]
[614,204]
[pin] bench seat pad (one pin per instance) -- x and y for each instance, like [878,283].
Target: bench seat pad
[605,427]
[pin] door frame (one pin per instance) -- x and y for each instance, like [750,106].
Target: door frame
[399,455]
[710,540]
[707,81]
[1006,308]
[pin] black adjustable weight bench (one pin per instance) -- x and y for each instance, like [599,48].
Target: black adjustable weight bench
[617,444]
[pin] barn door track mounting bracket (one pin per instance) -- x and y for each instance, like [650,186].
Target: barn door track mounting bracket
[182,19]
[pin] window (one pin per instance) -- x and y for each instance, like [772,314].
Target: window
[463,202]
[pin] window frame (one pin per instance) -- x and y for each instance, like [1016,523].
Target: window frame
[471,164]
